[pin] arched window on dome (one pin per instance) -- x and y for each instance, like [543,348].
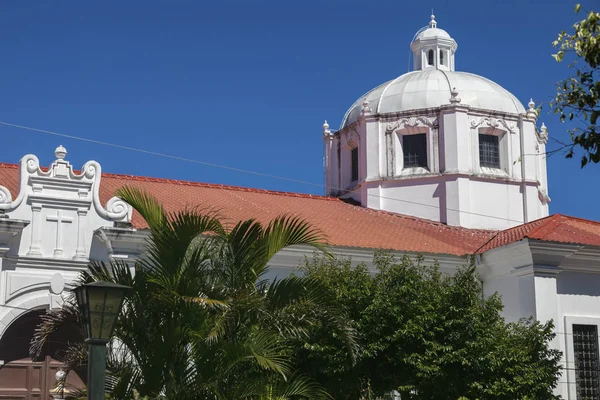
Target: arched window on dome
[442,58]
[430,55]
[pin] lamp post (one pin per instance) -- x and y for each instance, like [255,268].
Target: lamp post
[100,304]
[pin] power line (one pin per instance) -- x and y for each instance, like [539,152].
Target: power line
[190,160]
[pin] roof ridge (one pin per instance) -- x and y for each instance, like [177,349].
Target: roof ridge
[183,182]
[141,178]
[9,165]
[568,217]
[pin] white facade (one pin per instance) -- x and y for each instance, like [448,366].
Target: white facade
[51,230]
[451,111]
[55,224]
[548,281]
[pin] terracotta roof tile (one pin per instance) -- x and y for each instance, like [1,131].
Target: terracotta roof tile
[343,224]
[555,228]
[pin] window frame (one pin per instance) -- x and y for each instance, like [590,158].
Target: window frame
[593,359]
[495,154]
[569,354]
[431,58]
[423,162]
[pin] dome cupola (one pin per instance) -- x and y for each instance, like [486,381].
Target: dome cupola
[440,144]
[433,48]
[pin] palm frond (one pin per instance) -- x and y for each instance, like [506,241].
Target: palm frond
[286,230]
[51,322]
[272,387]
[144,203]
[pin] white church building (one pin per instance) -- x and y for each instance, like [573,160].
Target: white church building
[435,162]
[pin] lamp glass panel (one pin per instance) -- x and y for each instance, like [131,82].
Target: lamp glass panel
[96,297]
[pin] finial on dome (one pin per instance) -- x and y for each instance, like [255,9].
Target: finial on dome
[432,23]
[543,134]
[60,152]
[365,107]
[454,99]
[531,113]
[326,130]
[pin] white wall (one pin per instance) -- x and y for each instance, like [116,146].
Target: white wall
[454,180]
[48,228]
[517,294]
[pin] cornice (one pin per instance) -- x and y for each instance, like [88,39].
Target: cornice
[47,263]
[292,257]
[8,229]
[59,201]
[126,244]
[544,257]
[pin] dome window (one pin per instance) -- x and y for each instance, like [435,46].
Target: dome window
[442,58]
[354,164]
[489,151]
[430,57]
[414,148]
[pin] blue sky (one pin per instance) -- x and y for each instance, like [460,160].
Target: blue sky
[248,83]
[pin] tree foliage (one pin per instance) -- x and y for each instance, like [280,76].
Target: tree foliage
[578,96]
[428,336]
[201,320]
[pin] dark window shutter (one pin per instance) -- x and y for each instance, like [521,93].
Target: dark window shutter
[354,162]
[414,148]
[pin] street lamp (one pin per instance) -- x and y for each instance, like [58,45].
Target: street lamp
[100,304]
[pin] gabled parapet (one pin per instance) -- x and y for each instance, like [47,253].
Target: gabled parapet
[63,207]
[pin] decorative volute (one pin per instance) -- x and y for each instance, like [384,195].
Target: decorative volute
[433,48]
[61,207]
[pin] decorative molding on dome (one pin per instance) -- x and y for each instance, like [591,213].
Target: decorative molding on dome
[431,122]
[493,123]
[542,134]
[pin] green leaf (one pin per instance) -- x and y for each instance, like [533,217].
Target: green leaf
[577,8]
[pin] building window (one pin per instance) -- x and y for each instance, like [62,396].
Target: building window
[354,162]
[414,148]
[489,151]
[585,349]
[442,60]
[430,57]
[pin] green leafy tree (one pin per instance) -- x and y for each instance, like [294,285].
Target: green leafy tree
[201,322]
[578,96]
[427,335]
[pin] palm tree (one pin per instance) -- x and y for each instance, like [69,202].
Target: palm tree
[201,322]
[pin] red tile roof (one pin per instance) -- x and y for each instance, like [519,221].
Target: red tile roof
[343,224]
[555,228]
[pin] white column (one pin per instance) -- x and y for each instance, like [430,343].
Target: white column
[80,254]
[35,248]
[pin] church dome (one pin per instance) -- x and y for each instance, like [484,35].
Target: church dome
[432,33]
[430,88]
